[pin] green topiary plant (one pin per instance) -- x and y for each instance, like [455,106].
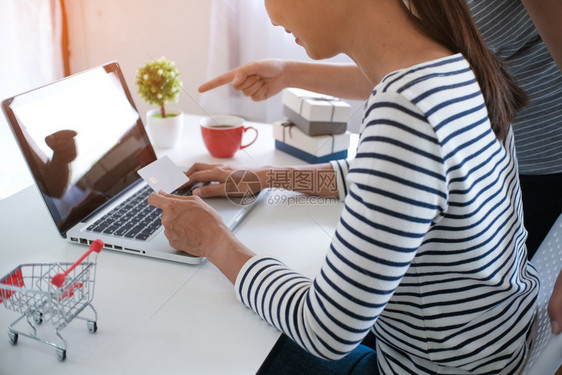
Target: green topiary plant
[159,82]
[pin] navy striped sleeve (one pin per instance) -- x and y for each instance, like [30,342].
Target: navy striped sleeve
[429,251]
[341,168]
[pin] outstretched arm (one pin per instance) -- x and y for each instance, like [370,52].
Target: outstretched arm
[262,79]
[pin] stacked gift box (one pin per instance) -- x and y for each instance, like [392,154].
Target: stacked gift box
[316,127]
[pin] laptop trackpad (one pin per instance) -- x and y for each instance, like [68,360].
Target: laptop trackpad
[228,210]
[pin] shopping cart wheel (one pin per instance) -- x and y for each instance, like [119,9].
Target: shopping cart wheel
[13,337]
[38,317]
[92,326]
[61,354]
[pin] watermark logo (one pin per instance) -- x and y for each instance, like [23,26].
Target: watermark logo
[310,181]
[242,187]
[282,197]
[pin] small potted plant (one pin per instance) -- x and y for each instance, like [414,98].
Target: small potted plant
[159,83]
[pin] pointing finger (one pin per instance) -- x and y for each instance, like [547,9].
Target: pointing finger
[218,81]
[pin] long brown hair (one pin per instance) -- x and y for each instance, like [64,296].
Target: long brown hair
[450,23]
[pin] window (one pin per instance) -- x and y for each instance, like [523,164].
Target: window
[31,31]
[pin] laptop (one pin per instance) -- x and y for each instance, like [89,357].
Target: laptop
[90,182]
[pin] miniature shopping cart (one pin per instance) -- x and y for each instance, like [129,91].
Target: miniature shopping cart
[52,293]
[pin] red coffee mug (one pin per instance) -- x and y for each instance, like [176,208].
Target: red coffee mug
[222,135]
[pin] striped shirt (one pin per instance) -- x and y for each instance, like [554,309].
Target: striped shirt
[429,250]
[510,33]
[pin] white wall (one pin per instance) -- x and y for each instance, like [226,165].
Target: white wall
[129,31]
[134,31]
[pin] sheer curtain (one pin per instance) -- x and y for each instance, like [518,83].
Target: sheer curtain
[242,32]
[30,38]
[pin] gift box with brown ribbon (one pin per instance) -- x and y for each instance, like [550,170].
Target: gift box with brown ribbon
[315,114]
[312,149]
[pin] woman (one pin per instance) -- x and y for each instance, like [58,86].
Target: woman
[537,128]
[429,252]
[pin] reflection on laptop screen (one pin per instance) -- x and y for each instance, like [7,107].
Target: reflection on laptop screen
[83,140]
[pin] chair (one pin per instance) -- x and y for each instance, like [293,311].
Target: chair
[545,356]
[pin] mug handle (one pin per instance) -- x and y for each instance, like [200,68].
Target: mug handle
[256,137]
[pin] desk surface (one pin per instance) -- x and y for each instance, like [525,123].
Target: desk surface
[158,316]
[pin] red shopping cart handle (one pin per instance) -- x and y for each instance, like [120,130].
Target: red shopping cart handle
[59,278]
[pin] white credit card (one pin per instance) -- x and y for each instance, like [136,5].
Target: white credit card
[163,174]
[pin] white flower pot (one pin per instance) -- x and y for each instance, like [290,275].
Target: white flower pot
[165,132]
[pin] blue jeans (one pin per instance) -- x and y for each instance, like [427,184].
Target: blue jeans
[287,358]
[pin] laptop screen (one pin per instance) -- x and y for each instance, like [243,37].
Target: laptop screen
[83,140]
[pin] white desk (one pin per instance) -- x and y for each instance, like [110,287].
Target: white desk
[160,317]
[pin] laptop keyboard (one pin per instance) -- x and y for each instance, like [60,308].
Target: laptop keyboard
[134,218]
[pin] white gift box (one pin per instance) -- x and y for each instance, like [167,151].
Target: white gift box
[312,149]
[315,113]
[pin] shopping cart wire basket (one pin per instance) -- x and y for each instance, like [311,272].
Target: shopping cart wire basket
[54,293]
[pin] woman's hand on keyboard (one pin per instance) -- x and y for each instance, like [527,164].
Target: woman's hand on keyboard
[225,181]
